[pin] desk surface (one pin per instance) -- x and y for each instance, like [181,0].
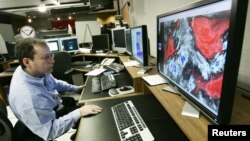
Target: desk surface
[123,79]
[102,127]
[196,129]
[96,55]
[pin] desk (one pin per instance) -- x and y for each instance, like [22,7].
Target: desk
[102,127]
[196,129]
[137,80]
[122,80]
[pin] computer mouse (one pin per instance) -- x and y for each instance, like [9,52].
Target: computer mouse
[125,88]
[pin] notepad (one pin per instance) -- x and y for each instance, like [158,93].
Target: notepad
[154,79]
[95,72]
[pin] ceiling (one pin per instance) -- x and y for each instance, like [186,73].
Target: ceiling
[30,7]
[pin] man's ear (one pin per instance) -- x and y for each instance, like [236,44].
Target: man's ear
[26,62]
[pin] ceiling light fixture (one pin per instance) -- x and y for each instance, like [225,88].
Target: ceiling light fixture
[41,7]
[56,2]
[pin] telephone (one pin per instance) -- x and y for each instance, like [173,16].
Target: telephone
[107,61]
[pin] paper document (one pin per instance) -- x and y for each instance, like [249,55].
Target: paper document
[95,72]
[131,63]
[154,79]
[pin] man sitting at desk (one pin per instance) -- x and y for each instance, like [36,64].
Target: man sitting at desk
[34,97]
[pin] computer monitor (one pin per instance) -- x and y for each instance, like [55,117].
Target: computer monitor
[118,39]
[100,43]
[53,44]
[198,52]
[69,44]
[11,51]
[3,49]
[139,43]
[128,42]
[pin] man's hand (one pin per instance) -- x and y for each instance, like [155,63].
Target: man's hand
[80,88]
[90,110]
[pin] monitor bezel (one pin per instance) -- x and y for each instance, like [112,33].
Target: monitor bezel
[107,44]
[3,47]
[53,40]
[235,37]
[68,38]
[144,45]
[127,32]
[117,48]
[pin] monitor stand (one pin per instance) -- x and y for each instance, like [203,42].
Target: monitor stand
[189,110]
[143,70]
[170,89]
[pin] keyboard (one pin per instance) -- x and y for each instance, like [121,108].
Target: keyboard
[107,81]
[81,63]
[115,67]
[129,123]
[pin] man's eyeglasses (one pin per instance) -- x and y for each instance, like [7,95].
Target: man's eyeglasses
[47,57]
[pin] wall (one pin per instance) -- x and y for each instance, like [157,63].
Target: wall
[244,72]
[145,12]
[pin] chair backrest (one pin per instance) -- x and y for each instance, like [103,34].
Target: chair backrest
[61,65]
[6,128]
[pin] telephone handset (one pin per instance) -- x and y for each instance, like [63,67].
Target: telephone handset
[107,61]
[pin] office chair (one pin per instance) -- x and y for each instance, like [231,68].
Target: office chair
[6,128]
[16,133]
[62,70]
[62,66]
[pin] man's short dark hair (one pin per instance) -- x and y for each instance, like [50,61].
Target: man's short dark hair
[24,48]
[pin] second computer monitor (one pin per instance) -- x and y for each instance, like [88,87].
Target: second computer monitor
[69,44]
[100,43]
[118,39]
[128,42]
[139,42]
[53,44]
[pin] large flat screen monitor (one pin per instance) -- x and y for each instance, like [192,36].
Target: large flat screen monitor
[118,39]
[139,43]
[198,52]
[100,42]
[69,44]
[53,44]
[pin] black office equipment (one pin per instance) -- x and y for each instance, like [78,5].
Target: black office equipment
[107,82]
[103,82]
[100,43]
[198,52]
[115,67]
[11,51]
[128,42]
